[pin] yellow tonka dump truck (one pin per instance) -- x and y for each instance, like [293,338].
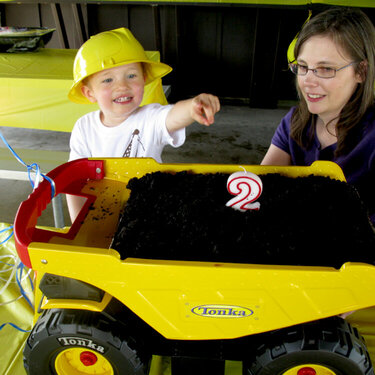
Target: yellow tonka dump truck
[99,314]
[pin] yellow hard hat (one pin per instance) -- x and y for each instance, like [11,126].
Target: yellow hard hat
[108,50]
[290,52]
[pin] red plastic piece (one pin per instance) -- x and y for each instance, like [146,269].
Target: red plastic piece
[306,371]
[69,178]
[88,358]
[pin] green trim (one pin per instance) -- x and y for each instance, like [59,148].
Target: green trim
[254,2]
[353,3]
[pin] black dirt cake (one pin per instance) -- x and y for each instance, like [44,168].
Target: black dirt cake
[310,220]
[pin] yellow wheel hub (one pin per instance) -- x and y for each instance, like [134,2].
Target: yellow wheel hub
[82,361]
[309,369]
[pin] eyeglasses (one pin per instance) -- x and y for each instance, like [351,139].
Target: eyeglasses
[320,71]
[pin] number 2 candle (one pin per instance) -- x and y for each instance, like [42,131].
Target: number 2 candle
[247,188]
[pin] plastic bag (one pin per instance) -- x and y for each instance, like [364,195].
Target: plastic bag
[23,39]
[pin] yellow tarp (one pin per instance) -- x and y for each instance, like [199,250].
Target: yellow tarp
[18,312]
[34,88]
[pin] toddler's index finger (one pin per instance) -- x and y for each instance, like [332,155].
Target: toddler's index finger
[208,112]
[199,112]
[215,104]
[206,106]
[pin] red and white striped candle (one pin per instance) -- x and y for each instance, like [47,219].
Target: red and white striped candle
[247,188]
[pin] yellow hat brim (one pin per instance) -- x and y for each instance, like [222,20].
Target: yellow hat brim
[153,71]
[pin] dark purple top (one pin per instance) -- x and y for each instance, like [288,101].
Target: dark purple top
[358,166]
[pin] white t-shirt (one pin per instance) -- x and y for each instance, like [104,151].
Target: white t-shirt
[142,134]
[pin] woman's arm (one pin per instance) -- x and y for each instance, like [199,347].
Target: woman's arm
[276,156]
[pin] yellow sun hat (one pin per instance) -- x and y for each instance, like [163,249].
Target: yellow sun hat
[108,50]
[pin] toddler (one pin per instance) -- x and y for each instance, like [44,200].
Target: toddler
[112,69]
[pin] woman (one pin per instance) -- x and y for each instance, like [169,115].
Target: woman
[335,117]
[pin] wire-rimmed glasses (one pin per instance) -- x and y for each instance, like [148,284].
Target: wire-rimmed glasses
[320,71]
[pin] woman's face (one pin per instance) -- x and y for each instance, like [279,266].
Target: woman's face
[326,97]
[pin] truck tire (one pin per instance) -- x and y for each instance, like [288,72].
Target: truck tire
[330,347]
[65,342]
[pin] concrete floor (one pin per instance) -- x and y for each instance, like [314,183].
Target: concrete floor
[240,135]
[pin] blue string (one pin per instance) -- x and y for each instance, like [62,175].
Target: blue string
[14,326]
[5,229]
[30,281]
[7,264]
[11,234]
[30,168]
[20,268]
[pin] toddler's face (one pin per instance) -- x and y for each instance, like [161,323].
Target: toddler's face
[118,92]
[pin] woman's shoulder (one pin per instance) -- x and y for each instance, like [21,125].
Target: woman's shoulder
[286,121]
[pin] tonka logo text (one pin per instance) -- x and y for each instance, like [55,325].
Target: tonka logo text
[222,311]
[79,341]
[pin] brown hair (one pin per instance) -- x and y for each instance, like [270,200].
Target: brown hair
[353,32]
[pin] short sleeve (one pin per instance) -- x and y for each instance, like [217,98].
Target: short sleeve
[281,138]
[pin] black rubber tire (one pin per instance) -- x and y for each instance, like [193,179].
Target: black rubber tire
[46,341]
[332,343]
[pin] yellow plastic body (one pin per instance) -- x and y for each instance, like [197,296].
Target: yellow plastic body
[199,300]
[42,79]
